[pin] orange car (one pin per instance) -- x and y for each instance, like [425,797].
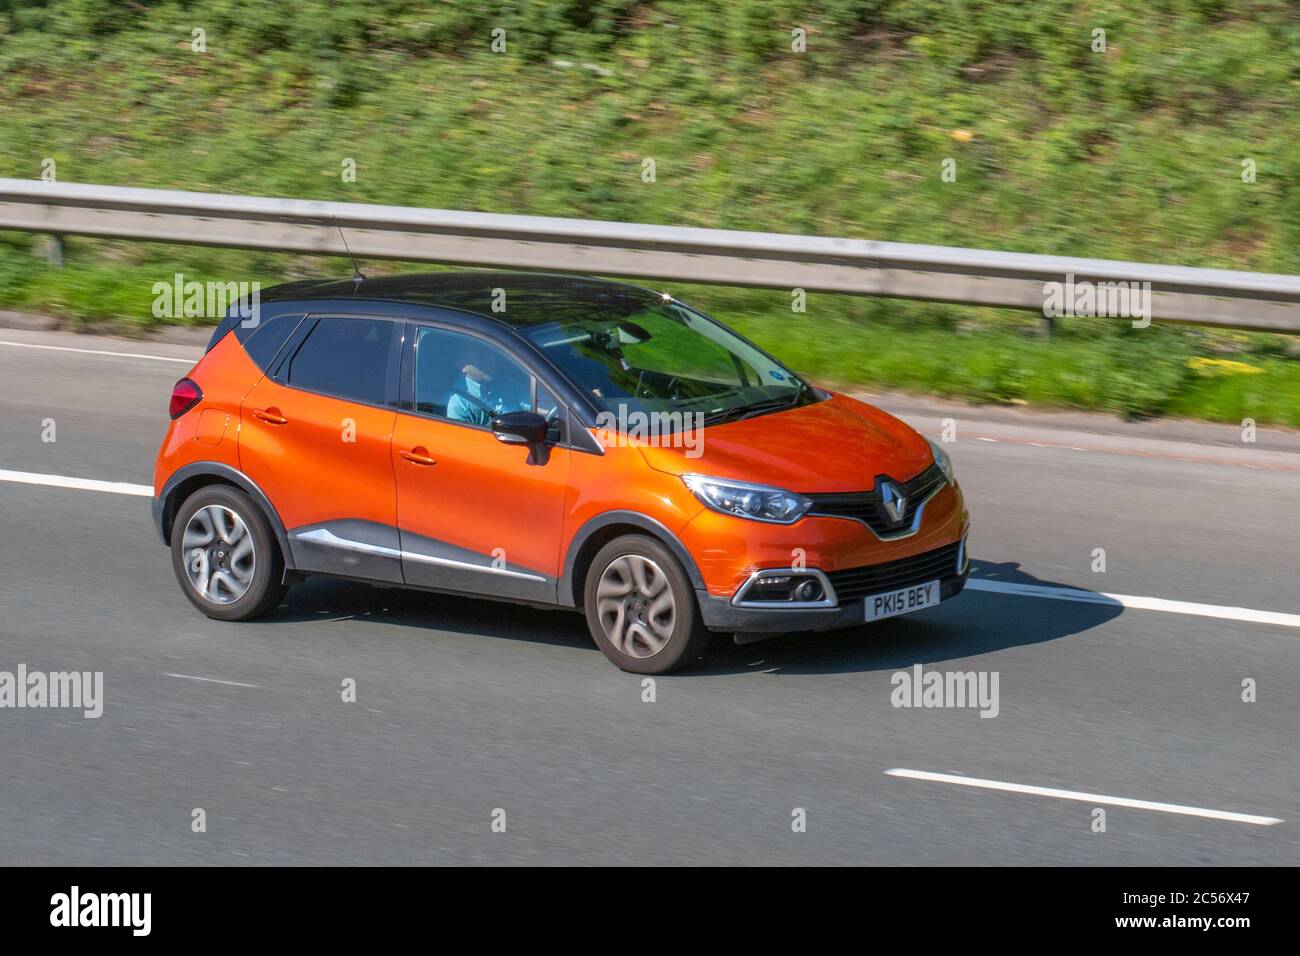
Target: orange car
[550,440]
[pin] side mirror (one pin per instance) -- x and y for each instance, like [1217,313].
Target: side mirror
[520,428]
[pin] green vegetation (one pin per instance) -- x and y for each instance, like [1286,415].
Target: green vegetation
[1134,153]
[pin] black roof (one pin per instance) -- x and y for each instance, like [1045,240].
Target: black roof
[529,297]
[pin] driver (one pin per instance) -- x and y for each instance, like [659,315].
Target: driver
[481,392]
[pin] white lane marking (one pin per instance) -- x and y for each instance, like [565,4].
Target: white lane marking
[66,348]
[1098,798]
[1137,602]
[83,484]
[1140,453]
[211,680]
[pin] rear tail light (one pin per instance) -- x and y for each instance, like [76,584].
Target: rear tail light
[185,395]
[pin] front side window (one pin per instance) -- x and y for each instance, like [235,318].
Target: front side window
[465,379]
[657,355]
[345,357]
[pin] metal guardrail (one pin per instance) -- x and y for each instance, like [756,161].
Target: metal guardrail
[1246,300]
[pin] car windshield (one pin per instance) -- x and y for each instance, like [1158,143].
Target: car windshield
[661,356]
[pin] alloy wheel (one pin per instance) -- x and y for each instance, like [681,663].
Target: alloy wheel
[635,605]
[219,555]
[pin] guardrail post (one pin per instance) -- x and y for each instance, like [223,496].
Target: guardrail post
[54,250]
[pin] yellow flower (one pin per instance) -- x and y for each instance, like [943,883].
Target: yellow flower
[1211,366]
[962,135]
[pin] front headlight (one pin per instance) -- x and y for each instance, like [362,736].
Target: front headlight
[744,500]
[942,460]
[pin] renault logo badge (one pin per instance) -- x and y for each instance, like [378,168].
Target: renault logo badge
[895,501]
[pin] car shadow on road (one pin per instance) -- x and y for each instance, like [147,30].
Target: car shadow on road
[322,598]
[975,622]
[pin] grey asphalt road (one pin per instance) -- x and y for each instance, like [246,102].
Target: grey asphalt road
[467,707]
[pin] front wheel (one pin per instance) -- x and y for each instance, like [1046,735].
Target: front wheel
[225,555]
[640,607]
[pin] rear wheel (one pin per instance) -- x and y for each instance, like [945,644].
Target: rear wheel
[225,556]
[640,607]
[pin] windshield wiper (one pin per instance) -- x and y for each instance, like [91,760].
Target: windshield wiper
[742,412]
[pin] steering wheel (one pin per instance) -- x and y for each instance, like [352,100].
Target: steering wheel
[672,387]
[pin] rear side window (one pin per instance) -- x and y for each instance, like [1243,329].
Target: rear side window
[267,338]
[345,357]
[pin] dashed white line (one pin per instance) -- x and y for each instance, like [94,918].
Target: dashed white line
[81,484]
[67,348]
[1136,602]
[211,680]
[1095,798]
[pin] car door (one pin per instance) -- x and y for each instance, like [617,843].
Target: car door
[475,514]
[315,436]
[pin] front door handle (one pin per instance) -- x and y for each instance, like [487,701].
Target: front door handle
[270,415]
[419,455]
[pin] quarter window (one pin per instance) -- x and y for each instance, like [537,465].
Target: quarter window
[265,341]
[549,407]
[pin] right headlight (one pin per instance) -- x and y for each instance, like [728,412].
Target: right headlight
[745,500]
[942,460]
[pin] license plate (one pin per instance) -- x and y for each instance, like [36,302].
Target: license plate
[902,601]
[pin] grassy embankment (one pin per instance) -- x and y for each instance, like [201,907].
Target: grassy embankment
[1135,153]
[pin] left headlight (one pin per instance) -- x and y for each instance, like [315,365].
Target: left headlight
[745,500]
[942,460]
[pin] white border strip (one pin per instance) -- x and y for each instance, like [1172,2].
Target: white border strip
[1136,602]
[82,484]
[1099,798]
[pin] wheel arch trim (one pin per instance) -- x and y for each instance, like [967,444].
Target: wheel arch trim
[164,505]
[565,587]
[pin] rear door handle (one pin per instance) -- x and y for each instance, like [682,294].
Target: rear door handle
[419,455]
[270,415]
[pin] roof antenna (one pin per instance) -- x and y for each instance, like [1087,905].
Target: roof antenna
[357,275]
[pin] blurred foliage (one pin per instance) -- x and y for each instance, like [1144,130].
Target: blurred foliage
[1131,153]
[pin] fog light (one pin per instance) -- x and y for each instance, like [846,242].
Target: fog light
[808,591]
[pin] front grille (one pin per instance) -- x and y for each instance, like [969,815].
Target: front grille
[858,582]
[866,506]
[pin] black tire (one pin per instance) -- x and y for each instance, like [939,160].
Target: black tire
[683,642]
[265,589]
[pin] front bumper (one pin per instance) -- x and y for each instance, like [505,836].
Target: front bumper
[721,615]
